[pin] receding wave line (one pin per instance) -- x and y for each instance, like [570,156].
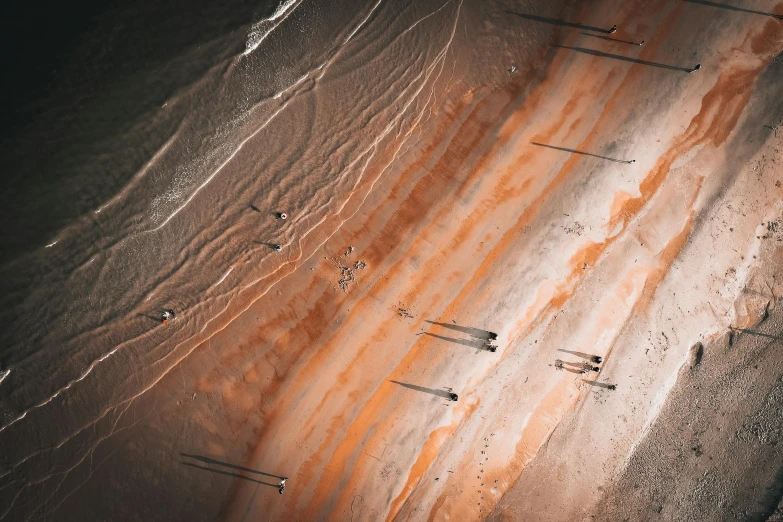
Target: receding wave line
[439,60]
[221,279]
[263,28]
[226,162]
[70,383]
[320,69]
[366,156]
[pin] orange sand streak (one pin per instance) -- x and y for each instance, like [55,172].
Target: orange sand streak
[424,274]
[717,131]
[647,189]
[407,362]
[340,457]
[425,459]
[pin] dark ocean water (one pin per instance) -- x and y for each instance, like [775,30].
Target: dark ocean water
[79,78]
[136,140]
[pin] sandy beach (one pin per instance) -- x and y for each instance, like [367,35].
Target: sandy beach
[533,175]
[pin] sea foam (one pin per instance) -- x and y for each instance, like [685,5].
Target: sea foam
[262,28]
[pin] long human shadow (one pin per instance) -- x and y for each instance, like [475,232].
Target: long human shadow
[572,370]
[555,21]
[760,334]
[580,365]
[733,8]
[270,245]
[624,58]
[432,391]
[475,332]
[609,38]
[598,384]
[148,316]
[583,153]
[578,354]
[226,464]
[228,473]
[479,345]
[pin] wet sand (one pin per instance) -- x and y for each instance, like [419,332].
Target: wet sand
[652,239]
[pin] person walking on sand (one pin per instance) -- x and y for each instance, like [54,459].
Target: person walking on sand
[281,487]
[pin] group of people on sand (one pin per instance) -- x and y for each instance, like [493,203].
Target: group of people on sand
[587,367]
[488,342]
[491,336]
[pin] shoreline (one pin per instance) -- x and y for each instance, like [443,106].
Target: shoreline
[459,218]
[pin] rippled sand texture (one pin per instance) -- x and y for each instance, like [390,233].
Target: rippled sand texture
[405,156]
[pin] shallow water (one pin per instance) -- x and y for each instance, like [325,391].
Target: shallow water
[145,170]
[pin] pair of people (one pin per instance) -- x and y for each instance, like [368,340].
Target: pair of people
[492,337]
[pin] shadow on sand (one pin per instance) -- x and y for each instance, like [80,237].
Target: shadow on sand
[478,345]
[432,391]
[475,332]
[574,151]
[609,38]
[578,354]
[598,384]
[579,365]
[624,58]
[760,334]
[732,8]
[228,473]
[555,21]
[269,245]
[209,460]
